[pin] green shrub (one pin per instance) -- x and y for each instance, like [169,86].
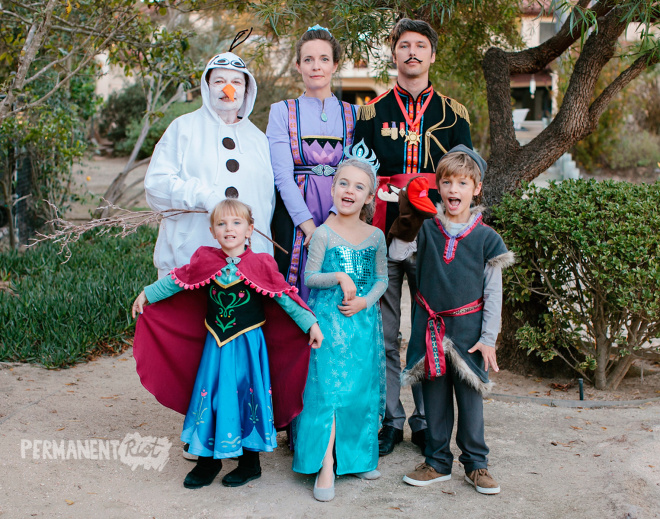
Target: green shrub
[63,313]
[591,251]
[122,108]
[44,142]
[640,148]
[155,132]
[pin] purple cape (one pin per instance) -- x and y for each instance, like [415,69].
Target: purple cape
[170,334]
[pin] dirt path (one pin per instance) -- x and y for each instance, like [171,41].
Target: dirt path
[550,462]
[93,176]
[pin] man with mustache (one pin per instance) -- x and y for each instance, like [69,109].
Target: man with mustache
[410,128]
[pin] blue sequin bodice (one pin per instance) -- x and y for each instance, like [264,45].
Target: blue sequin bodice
[357,263]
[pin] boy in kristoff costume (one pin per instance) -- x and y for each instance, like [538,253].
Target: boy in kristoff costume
[410,128]
[456,319]
[208,155]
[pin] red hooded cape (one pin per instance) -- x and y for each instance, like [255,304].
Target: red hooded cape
[170,334]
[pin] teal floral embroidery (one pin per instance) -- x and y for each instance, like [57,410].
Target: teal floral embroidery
[271,417]
[200,412]
[253,408]
[226,310]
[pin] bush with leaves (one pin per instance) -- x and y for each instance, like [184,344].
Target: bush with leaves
[57,314]
[50,138]
[591,251]
[636,149]
[121,109]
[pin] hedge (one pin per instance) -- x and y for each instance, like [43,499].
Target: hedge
[57,314]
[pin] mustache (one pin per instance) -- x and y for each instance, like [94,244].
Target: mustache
[413,58]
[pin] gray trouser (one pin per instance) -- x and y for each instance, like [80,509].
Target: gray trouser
[439,401]
[395,415]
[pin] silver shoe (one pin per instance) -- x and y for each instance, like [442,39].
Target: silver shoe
[370,475]
[324,494]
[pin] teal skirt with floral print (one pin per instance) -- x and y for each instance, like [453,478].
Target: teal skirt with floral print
[231,408]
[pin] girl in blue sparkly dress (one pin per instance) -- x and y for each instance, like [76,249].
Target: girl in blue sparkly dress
[344,395]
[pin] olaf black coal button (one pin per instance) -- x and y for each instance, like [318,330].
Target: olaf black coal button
[232,165]
[231,192]
[228,143]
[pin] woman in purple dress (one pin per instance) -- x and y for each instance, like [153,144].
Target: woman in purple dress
[307,137]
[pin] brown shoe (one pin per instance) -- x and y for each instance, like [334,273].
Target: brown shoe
[482,481]
[424,475]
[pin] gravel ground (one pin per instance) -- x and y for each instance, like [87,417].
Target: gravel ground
[551,462]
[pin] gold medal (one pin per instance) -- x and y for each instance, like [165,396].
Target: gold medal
[414,127]
[412,137]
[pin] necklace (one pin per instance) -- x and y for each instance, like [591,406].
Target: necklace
[324,117]
[412,135]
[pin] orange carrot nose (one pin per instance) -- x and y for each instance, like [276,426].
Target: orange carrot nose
[229,91]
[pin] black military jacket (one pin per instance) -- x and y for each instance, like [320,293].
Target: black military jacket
[444,124]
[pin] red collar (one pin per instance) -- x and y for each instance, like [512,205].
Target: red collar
[414,126]
[403,92]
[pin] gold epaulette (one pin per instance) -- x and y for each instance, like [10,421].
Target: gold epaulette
[368,111]
[458,109]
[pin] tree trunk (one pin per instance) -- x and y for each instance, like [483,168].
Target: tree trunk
[116,188]
[619,372]
[6,193]
[602,359]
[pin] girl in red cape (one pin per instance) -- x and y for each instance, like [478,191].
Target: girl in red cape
[219,373]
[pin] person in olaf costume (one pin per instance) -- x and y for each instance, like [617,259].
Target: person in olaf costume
[206,156]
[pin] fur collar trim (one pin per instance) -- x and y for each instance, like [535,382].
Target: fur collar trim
[461,369]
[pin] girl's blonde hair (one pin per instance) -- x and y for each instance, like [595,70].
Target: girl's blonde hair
[233,207]
[367,212]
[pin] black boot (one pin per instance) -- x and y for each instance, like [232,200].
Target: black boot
[248,469]
[204,472]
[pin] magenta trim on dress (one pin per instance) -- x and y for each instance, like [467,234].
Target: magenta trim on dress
[451,242]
